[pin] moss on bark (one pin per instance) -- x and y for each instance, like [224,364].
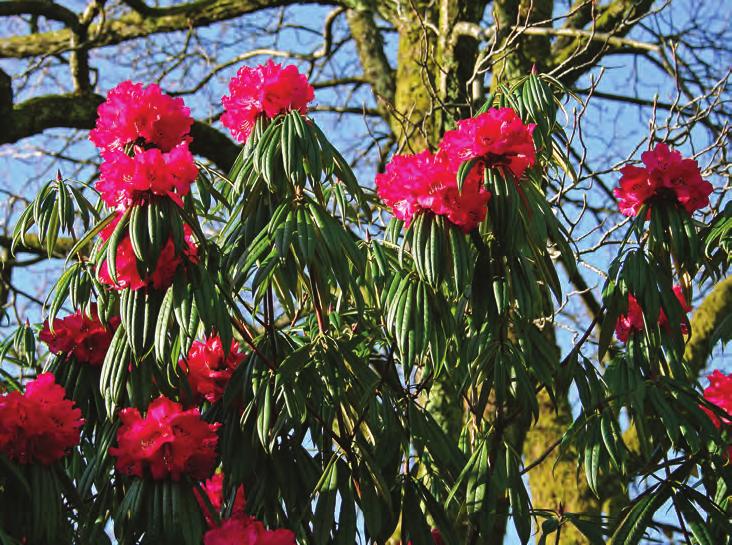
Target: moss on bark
[556,485]
[715,307]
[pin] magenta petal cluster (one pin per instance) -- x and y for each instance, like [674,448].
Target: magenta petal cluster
[427,181]
[268,89]
[632,321]
[247,531]
[496,138]
[209,369]
[167,442]
[125,180]
[143,137]
[214,490]
[137,114]
[128,275]
[39,426]
[81,336]
[719,393]
[239,528]
[665,175]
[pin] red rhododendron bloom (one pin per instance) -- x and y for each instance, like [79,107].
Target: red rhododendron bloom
[40,425]
[497,138]
[268,89]
[139,114]
[126,180]
[633,321]
[683,326]
[168,441]
[436,537]
[427,181]
[80,336]
[719,393]
[208,369]
[214,489]
[666,174]
[128,275]
[247,531]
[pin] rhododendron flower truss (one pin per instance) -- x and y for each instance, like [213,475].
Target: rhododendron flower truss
[39,426]
[665,176]
[428,182]
[167,442]
[436,537]
[126,180]
[268,89]
[83,337]
[683,326]
[496,138]
[247,531]
[632,321]
[214,490]
[127,267]
[142,115]
[719,393]
[208,369]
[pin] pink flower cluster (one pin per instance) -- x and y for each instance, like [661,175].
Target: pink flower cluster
[128,275]
[143,137]
[427,181]
[141,115]
[436,537]
[268,89]
[124,180]
[239,528]
[168,442]
[496,138]
[666,175]
[80,336]
[719,393]
[209,369]
[632,322]
[214,489]
[39,426]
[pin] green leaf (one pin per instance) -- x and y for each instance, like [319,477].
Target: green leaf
[327,489]
[633,526]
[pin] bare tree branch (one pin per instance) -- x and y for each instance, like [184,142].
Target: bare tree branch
[136,25]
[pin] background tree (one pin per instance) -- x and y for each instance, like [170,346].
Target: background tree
[397,75]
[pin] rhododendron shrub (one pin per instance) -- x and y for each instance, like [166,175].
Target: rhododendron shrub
[287,330]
